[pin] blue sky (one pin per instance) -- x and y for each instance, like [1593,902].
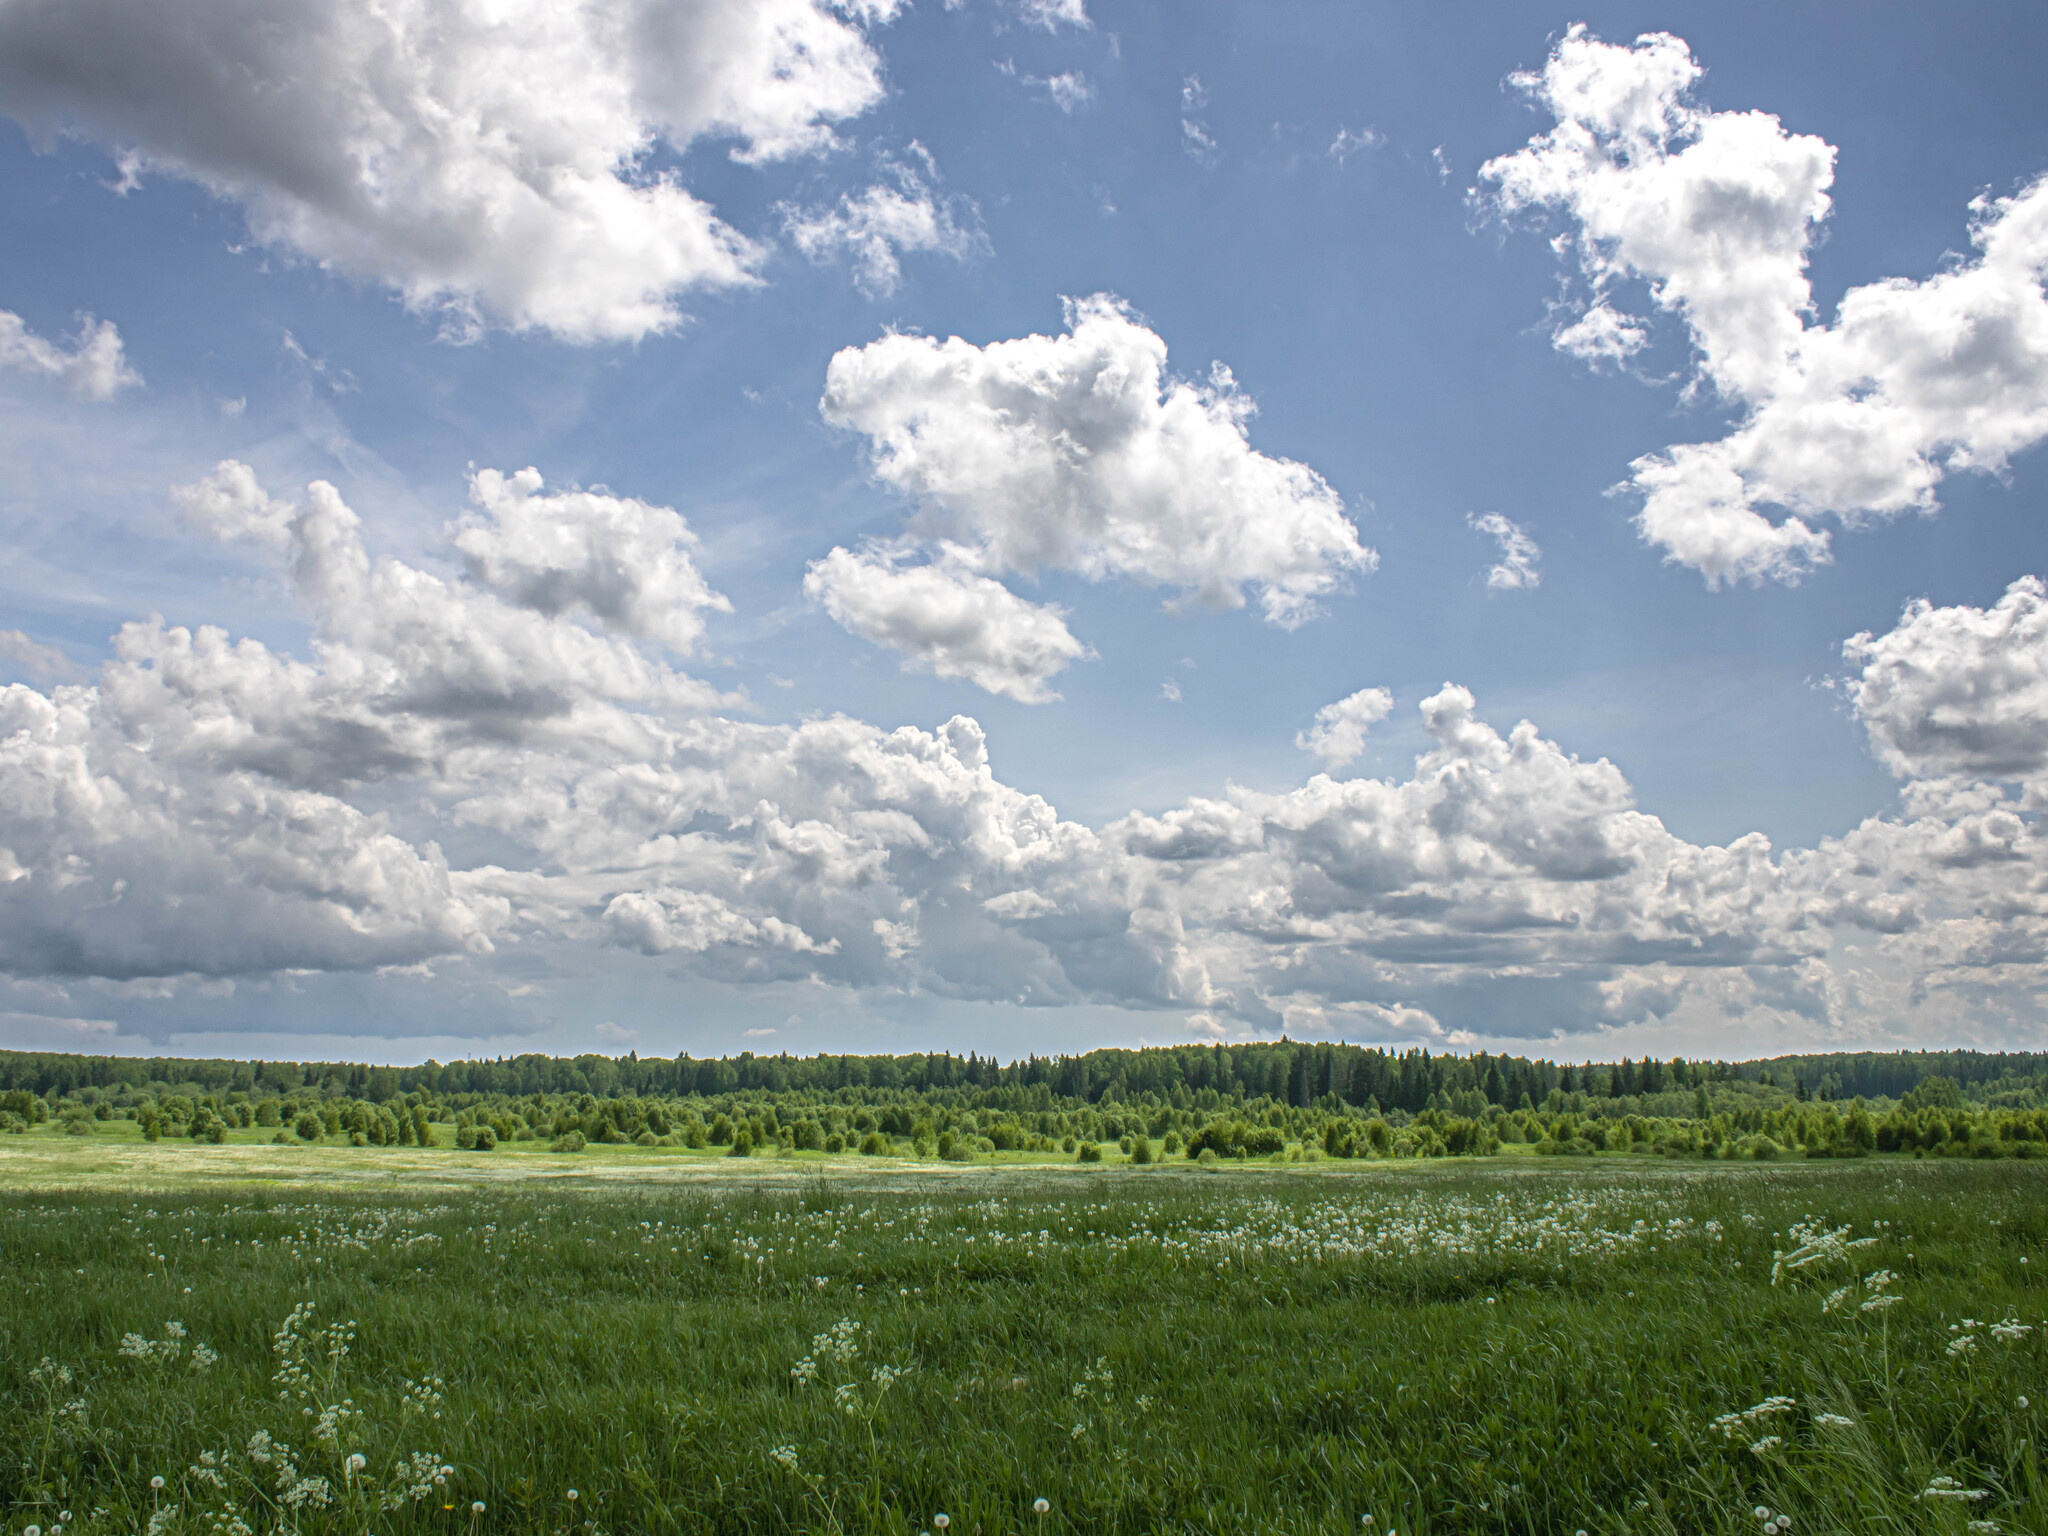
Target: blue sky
[625,755]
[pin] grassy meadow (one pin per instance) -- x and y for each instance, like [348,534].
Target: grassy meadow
[335,1339]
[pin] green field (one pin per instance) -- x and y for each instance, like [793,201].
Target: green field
[1515,1344]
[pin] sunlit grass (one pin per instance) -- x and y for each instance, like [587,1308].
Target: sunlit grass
[691,1343]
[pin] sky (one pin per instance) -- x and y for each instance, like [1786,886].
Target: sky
[1021,525]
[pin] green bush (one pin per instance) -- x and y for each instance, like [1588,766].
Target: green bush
[874,1144]
[568,1141]
[1090,1152]
[308,1126]
[485,1139]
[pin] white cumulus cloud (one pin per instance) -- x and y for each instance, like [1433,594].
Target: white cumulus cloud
[210,806]
[1959,692]
[1080,452]
[487,160]
[1717,212]
[94,367]
[624,562]
[1338,734]
[947,620]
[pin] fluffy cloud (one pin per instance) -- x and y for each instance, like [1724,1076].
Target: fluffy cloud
[1519,556]
[1959,693]
[946,620]
[877,226]
[1338,734]
[1081,453]
[1717,212]
[489,161]
[229,504]
[95,367]
[213,807]
[621,561]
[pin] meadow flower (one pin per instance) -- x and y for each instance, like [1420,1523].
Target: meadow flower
[785,1455]
[477,1507]
[1039,1506]
[941,1520]
[1832,1420]
[1768,1443]
[1949,1488]
[156,1483]
[2009,1331]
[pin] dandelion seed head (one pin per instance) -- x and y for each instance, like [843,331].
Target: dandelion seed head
[942,1520]
[477,1507]
[156,1482]
[1040,1506]
[572,1495]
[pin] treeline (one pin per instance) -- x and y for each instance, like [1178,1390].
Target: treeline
[1291,1073]
[1276,1099]
[960,1125]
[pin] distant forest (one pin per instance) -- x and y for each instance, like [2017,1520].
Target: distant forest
[1293,1073]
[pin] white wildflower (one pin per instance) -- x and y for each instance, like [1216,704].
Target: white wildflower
[1949,1488]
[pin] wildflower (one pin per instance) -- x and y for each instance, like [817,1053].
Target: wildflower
[1988,1527]
[1949,1488]
[941,1520]
[2011,1332]
[1039,1506]
[156,1483]
[572,1495]
[477,1507]
[1762,1513]
[356,1462]
[785,1455]
[1962,1344]
[2023,1400]
[1768,1443]
[1832,1420]
[32,1530]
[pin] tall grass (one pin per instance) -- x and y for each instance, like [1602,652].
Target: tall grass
[1454,1349]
